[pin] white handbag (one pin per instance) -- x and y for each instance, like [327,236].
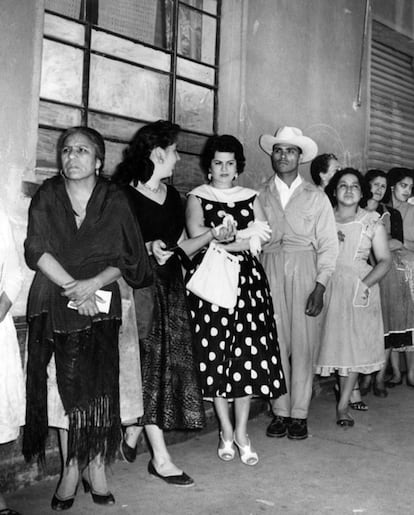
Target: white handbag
[217,277]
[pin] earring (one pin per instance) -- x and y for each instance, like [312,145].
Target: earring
[61,172]
[209,176]
[235,176]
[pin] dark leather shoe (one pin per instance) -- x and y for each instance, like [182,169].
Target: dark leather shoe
[297,429]
[103,499]
[181,480]
[278,427]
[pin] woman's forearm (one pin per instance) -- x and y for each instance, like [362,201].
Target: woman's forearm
[193,245]
[377,273]
[53,270]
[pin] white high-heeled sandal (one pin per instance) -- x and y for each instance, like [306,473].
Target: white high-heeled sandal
[227,452]
[247,456]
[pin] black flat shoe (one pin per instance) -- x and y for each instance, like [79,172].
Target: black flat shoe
[59,504]
[9,511]
[344,419]
[181,480]
[103,499]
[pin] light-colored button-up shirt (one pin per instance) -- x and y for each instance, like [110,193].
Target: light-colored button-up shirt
[285,192]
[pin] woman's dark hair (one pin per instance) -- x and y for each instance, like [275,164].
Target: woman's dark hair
[93,136]
[373,174]
[320,165]
[224,143]
[397,174]
[330,190]
[136,164]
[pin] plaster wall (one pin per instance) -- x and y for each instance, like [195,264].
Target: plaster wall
[21,25]
[299,64]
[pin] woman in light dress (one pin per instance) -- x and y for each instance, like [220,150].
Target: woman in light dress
[352,339]
[12,395]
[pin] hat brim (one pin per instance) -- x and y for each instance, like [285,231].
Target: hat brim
[308,147]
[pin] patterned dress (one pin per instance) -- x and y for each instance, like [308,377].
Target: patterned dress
[237,349]
[352,331]
[171,389]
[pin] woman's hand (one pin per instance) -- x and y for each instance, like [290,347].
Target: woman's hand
[79,291]
[88,307]
[160,252]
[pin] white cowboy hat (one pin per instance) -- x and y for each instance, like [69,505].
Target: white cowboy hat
[290,136]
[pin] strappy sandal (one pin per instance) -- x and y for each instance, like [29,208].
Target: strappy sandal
[247,456]
[226,450]
[357,405]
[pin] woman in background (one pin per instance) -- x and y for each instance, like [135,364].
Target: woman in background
[12,395]
[400,181]
[81,237]
[354,342]
[396,301]
[237,349]
[323,168]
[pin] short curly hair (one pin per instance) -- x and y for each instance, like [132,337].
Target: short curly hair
[224,143]
[330,190]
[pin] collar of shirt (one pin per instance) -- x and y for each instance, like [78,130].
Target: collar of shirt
[285,192]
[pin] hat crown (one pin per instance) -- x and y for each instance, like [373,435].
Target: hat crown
[288,132]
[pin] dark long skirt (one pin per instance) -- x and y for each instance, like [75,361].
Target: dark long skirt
[171,388]
[87,373]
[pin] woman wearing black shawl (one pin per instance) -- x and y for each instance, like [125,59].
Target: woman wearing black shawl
[82,237]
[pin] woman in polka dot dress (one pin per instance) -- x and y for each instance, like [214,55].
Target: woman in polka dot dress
[237,349]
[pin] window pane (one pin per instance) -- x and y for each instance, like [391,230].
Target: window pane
[58,116]
[196,35]
[62,68]
[205,5]
[187,173]
[195,71]
[129,50]
[127,90]
[191,143]
[194,107]
[113,155]
[113,126]
[64,29]
[146,20]
[46,149]
[70,8]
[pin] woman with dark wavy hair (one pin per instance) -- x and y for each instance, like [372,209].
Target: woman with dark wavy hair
[352,340]
[171,390]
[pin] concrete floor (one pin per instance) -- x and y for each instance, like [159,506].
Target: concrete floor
[367,469]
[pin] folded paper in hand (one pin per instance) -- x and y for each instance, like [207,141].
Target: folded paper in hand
[103,302]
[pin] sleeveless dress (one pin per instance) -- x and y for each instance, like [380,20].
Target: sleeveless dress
[352,331]
[171,388]
[237,349]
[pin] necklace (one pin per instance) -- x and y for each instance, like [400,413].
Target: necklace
[153,190]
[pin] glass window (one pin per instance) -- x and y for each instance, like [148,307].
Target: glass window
[117,65]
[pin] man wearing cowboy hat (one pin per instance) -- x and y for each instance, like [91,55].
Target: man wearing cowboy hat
[299,259]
